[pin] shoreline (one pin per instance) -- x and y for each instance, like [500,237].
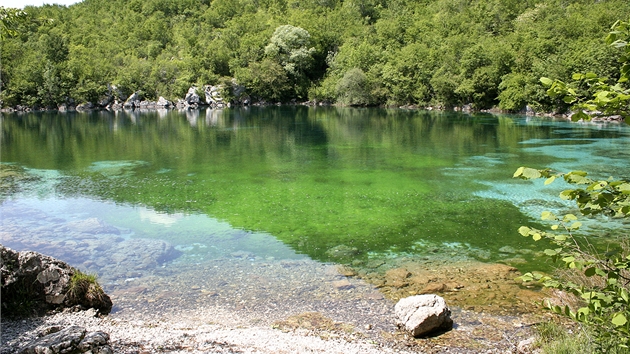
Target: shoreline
[303,310]
[463,109]
[216,330]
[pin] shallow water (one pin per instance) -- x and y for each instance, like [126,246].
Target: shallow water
[127,195]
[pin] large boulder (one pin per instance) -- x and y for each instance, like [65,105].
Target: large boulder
[423,314]
[133,101]
[73,339]
[163,103]
[34,283]
[191,96]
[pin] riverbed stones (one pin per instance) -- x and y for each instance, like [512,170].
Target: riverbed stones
[73,339]
[423,314]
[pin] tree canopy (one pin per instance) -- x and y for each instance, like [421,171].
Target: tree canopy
[435,52]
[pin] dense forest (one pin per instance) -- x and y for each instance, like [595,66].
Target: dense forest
[445,53]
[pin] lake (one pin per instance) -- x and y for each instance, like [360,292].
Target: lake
[129,195]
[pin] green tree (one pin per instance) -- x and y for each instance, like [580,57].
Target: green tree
[290,46]
[590,93]
[10,20]
[354,89]
[266,79]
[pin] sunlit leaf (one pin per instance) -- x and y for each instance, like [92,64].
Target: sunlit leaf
[619,319]
[569,217]
[546,81]
[547,215]
[550,252]
[531,173]
[524,230]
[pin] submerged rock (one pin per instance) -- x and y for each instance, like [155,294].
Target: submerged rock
[422,314]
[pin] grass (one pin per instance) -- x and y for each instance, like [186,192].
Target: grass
[84,289]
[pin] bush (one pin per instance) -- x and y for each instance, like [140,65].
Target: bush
[605,305]
[354,89]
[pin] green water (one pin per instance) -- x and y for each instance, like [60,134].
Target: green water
[336,184]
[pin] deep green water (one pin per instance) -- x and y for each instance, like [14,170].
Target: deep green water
[336,184]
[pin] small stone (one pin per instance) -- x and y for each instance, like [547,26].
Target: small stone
[346,271]
[432,288]
[343,284]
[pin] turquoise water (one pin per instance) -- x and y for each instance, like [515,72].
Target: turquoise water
[338,185]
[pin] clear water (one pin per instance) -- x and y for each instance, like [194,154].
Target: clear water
[338,185]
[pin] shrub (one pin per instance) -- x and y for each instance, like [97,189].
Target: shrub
[606,298]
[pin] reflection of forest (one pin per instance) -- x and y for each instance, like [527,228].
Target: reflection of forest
[72,140]
[334,183]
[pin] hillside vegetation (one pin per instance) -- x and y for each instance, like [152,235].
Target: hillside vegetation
[359,52]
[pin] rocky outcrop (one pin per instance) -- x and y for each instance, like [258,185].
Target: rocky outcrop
[133,101]
[34,283]
[423,314]
[213,96]
[73,339]
[163,103]
[85,106]
[192,98]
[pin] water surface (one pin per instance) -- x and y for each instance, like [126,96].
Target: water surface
[340,185]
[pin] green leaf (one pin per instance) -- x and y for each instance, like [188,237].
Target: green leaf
[555,227]
[547,215]
[577,116]
[524,230]
[550,180]
[519,172]
[569,217]
[568,99]
[619,320]
[546,81]
[589,272]
[578,76]
[550,252]
[536,236]
[531,173]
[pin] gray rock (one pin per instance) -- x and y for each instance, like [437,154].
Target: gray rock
[163,103]
[85,106]
[422,314]
[133,101]
[191,96]
[35,283]
[73,339]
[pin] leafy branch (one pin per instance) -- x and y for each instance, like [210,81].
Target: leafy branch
[606,299]
[591,95]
